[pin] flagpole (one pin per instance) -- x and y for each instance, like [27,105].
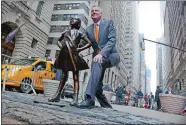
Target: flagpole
[22,24]
[164,44]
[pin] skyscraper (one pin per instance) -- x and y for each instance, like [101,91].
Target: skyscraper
[125,16]
[174,61]
[148,81]
[159,64]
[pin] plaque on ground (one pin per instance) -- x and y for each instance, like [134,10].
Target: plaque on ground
[49,103]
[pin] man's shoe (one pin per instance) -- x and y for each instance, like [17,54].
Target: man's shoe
[103,101]
[87,103]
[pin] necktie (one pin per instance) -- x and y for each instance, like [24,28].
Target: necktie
[96,31]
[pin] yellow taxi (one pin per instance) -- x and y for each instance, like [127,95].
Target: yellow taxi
[20,73]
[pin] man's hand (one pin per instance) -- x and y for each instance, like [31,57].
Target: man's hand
[78,50]
[98,58]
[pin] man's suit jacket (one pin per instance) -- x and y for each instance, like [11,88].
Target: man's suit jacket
[106,39]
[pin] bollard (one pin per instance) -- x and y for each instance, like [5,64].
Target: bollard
[4,79]
[33,80]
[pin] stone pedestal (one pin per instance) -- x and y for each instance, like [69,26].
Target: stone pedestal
[172,103]
[50,87]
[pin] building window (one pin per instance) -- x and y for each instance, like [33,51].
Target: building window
[57,6]
[68,17]
[52,29]
[47,54]
[34,43]
[59,28]
[66,6]
[55,39]
[50,40]
[56,17]
[57,53]
[39,8]
[75,6]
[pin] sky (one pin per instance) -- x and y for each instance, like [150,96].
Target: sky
[150,26]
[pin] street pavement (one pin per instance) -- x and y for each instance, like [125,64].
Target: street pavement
[20,108]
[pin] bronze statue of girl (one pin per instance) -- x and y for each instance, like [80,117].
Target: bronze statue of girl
[69,60]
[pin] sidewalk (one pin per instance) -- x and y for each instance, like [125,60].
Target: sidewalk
[177,119]
[166,117]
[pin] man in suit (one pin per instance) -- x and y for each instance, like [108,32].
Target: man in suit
[102,34]
[157,97]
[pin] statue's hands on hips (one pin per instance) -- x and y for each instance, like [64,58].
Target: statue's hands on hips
[98,58]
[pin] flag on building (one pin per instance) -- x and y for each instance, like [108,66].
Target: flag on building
[11,35]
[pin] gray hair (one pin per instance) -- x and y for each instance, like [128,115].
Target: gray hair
[97,7]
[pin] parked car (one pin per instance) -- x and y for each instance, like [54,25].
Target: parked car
[68,91]
[22,72]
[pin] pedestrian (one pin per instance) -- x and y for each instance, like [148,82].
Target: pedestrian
[127,97]
[103,37]
[58,74]
[151,100]
[157,97]
[146,101]
[119,92]
[58,71]
[140,98]
[69,60]
[169,91]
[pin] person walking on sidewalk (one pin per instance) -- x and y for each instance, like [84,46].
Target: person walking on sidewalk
[140,98]
[157,97]
[119,92]
[151,100]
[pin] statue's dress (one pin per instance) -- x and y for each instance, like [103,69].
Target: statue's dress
[69,59]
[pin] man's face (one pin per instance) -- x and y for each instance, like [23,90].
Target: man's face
[96,13]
